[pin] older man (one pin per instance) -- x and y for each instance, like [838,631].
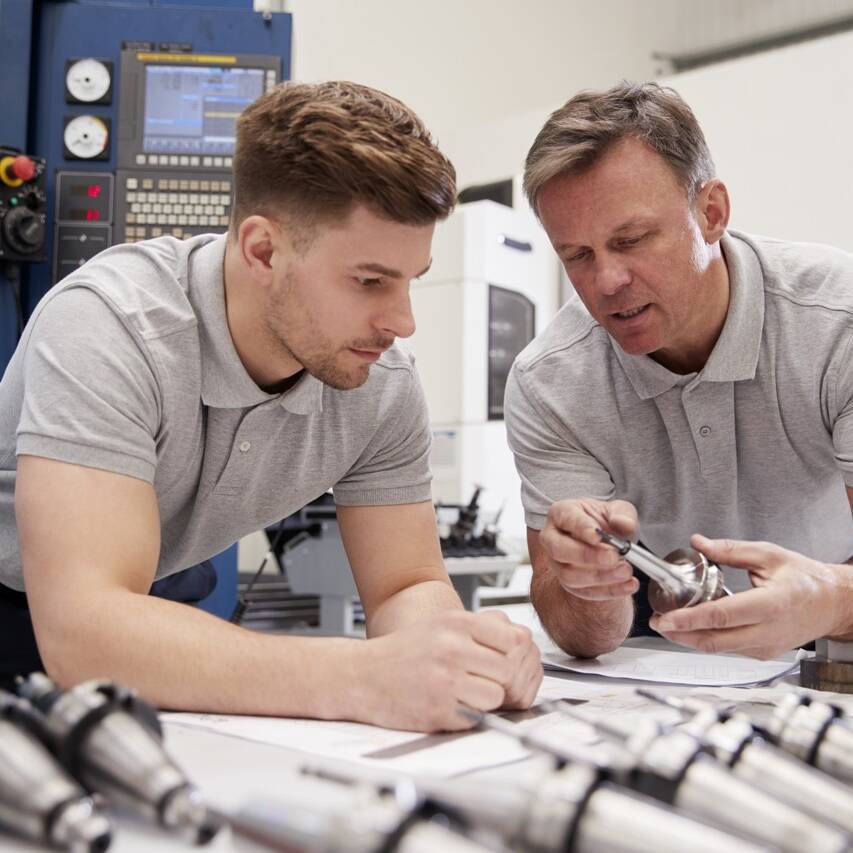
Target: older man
[701,383]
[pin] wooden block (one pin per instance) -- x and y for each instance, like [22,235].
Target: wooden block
[818,673]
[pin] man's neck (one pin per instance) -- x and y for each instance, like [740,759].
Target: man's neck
[263,360]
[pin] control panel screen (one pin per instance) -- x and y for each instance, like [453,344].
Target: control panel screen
[193,110]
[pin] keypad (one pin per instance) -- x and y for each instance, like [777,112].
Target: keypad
[179,207]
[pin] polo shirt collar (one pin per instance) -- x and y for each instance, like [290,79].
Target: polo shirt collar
[735,355]
[225,383]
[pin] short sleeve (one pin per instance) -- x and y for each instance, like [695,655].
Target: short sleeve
[91,396]
[394,467]
[842,412]
[551,463]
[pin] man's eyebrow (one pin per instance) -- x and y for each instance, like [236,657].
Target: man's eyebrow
[381,269]
[637,222]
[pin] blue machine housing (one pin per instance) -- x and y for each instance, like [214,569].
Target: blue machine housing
[36,40]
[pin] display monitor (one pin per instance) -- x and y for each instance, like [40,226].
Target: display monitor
[194,109]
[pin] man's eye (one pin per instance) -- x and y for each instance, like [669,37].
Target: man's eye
[577,256]
[631,241]
[369,282]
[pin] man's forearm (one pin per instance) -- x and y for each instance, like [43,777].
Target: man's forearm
[182,658]
[580,627]
[412,604]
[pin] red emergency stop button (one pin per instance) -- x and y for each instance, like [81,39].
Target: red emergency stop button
[14,171]
[23,168]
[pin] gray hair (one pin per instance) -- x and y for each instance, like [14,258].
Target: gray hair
[576,135]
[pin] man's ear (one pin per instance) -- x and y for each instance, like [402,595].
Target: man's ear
[713,209]
[258,239]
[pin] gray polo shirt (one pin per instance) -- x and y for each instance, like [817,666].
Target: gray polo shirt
[757,445]
[129,366]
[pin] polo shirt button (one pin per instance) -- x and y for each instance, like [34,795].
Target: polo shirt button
[704,431]
[245,446]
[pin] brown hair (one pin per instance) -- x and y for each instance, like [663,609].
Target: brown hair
[576,135]
[311,151]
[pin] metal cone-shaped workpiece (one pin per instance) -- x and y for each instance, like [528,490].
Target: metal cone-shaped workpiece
[681,579]
[111,742]
[38,799]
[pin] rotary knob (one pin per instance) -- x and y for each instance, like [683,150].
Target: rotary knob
[23,230]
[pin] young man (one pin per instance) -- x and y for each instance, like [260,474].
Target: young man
[173,396]
[705,384]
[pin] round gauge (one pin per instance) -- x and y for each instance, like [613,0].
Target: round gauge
[86,137]
[87,80]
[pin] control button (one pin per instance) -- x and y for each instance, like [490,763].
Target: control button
[225,185]
[147,184]
[184,160]
[245,446]
[23,168]
[153,160]
[194,161]
[705,431]
[218,162]
[214,186]
[140,159]
[207,161]
[156,232]
[131,197]
[173,160]
[131,183]
[130,217]
[228,162]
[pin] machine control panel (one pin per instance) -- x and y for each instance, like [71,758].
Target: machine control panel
[173,147]
[177,135]
[22,206]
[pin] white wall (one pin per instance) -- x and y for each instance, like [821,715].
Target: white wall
[780,126]
[465,64]
[484,74]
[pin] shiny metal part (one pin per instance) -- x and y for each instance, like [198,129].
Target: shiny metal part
[678,768]
[734,740]
[817,732]
[682,579]
[38,799]
[112,742]
[353,816]
[574,809]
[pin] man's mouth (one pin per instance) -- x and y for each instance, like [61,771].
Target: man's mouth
[629,313]
[368,354]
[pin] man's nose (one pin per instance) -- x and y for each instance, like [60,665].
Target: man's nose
[612,274]
[396,318]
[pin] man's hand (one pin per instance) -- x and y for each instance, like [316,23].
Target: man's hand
[795,600]
[417,677]
[584,565]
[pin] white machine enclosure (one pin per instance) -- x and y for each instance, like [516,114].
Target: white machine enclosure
[481,244]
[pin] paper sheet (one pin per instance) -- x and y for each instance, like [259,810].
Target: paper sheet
[689,668]
[439,755]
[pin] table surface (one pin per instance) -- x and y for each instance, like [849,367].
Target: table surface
[231,771]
